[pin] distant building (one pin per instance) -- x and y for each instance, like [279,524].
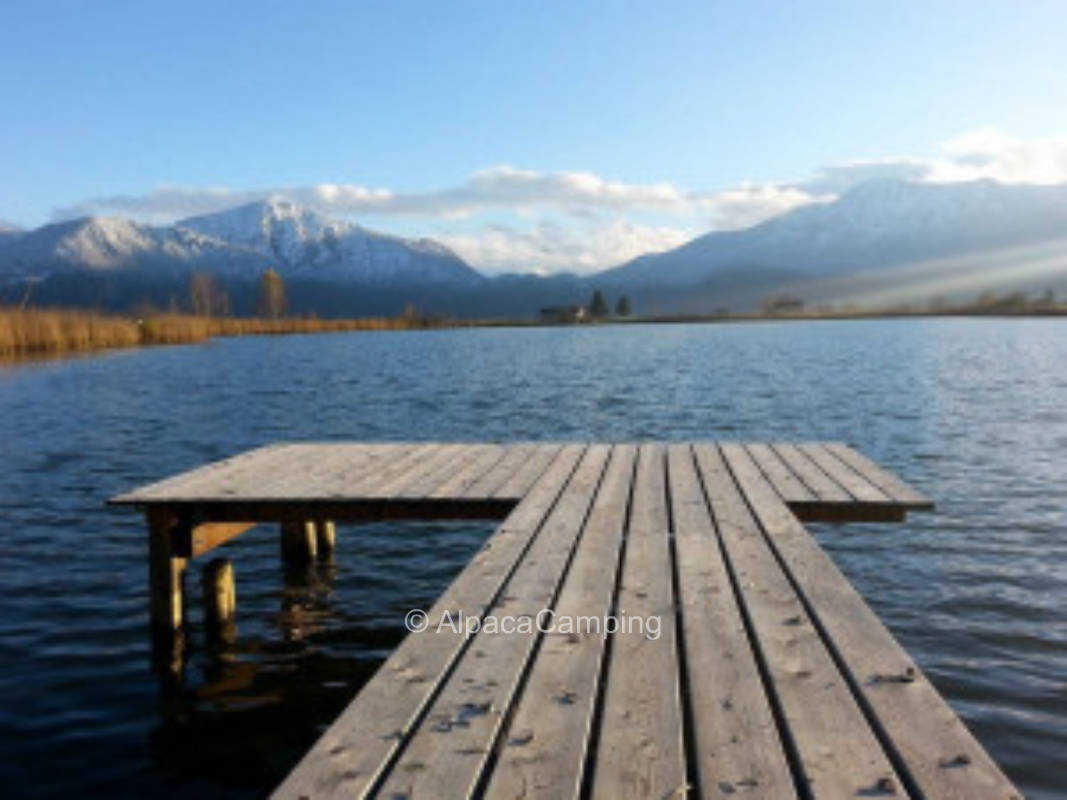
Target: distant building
[563,315]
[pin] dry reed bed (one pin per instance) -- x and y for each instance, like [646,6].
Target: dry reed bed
[32,332]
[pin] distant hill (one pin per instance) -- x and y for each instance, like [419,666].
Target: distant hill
[881,242]
[876,225]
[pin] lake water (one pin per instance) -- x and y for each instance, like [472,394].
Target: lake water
[974,412]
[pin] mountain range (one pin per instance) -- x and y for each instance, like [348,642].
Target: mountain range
[238,243]
[879,236]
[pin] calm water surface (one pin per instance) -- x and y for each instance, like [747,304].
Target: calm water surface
[972,411]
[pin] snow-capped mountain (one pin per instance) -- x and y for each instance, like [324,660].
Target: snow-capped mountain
[877,238]
[238,243]
[100,244]
[874,225]
[304,243]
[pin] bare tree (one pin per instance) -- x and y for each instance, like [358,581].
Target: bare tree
[271,294]
[206,297]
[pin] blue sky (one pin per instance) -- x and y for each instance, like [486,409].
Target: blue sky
[527,135]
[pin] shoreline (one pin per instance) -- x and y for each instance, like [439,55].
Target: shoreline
[33,334]
[46,334]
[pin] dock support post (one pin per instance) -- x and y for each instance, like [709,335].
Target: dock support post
[220,598]
[299,542]
[325,537]
[165,572]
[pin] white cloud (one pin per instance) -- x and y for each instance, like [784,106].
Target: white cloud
[981,154]
[502,187]
[751,203]
[548,246]
[989,153]
[584,221]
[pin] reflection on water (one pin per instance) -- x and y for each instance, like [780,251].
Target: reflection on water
[971,411]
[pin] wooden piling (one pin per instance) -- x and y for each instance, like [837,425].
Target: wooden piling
[299,542]
[325,537]
[165,571]
[220,595]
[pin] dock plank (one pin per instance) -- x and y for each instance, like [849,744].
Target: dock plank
[495,478]
[640,752]
[939,755]
[263,479]
[428,473]
[736,744]
[464,477]
[444,473]
[315,470]
[395,469]
[447,753]
[528,472]
[789,487]
[883,479]
[847,478]
[215,474]
[838,754]
[544,747]
[821,485]
[354,752]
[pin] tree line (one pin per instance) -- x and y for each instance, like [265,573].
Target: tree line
[598,306]
[207,298]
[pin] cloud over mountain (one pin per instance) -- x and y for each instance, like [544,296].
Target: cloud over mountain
[504,218]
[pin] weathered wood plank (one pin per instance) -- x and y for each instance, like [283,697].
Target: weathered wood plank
[464,477]
[299,475]
[216,473]
[196,540]
[335,478]
[838,753]
[351,755]
[939,754]
[448,752]
[393,469]
[529,472]
[417,482]
[545,745]
[502,471]
[850,480]
[788,485]
[640,752]
[822,486]
[883,479]
[736,745]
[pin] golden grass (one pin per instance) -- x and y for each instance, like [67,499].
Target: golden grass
[34,332]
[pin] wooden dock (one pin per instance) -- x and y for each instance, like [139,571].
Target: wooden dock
[765,674]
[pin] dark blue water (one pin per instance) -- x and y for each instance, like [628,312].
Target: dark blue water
[972,411]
